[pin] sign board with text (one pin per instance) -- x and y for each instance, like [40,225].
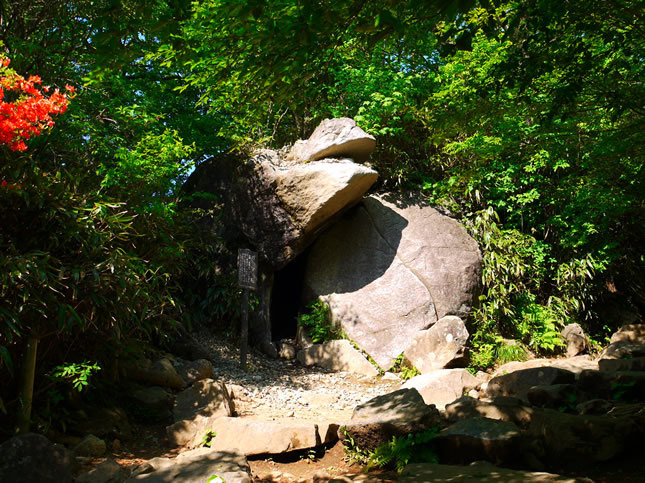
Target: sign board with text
[247,267]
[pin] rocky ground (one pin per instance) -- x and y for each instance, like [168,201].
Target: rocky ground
[580,418]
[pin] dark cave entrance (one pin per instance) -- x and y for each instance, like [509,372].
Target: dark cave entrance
[286,298]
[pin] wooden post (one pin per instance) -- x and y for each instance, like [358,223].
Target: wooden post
[245,327]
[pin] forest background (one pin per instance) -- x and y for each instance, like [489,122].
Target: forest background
[524,118]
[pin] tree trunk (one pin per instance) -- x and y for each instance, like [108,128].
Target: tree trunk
[27,384]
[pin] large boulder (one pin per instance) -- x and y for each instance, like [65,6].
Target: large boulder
[251,437]
[281,208]
[391,267]
[442,346]
[334,138]
[518,383]
[443,386]
[206,398]
[398,413]
[338,355]
[196,466]
[477,439]
[32,458]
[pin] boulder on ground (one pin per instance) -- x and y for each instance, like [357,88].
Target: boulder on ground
[442,346]
[334,138]
[250,437]
[196,466]
[574,440]
[620,385]
[155,402]
[159,373]
[206,398]
[443,386]
[477,439]
[376,421]
[338,355]
[109,471]
[632,333]
[577,341]
[282,209]
[518,383]
[32,458]
[481,472]
[502,408]
[402,267]
[90,445]
[193,371]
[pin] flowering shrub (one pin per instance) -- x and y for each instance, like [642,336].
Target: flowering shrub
[30,111]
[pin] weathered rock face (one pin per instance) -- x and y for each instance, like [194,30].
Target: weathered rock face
[479,439]
[390,268]
[577,342]
[443,386]
[334,138]
[398,413]
[442,346]
[31,457]
[518,383]
[281,208]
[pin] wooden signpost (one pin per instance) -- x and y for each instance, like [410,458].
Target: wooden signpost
[247,268]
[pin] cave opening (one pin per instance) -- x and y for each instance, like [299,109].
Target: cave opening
[286,298]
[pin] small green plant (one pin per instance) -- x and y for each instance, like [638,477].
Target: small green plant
[216,479]
[621,391]
[508,352]
[405,449]
[353,454]
[76,373]
[404,371]
[316,321]
[207,440]
[570,403]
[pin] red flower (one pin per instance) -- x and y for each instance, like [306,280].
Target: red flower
[31,112]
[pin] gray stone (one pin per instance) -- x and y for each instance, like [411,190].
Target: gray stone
[206,398]
[574,439]
[197,466]
[442,346]
[105,423]
[620,385]
[159,373]
[90,445]
[502,408]
[623,350]
[613,365]
[481,472]
[109,471]
[287,351]
[338,355]
[632,333]
[577,341]
[189,432]
[193,371]
[155,400]
[479,439]
[443,386]
[555,396]
[334,138]
[376,421]
[250,437]
[518,383]
[32,458]
[282,209]
[402,267]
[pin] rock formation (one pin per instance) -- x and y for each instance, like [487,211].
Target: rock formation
[391,267]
